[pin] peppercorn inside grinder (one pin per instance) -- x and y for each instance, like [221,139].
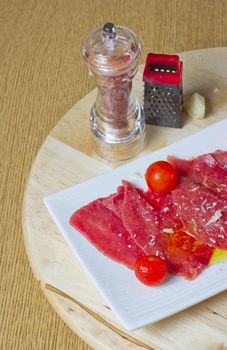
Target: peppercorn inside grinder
[163,98]
[117,119]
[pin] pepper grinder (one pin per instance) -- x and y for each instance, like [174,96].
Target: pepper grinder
[117,121]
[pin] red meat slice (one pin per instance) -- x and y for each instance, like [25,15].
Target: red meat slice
[168,215]
[202,213]
[105,230]
[182,166]
[204,170]
[142,221]
[166,211]
[185,256]
[115,202]
[158,201]
[221,158]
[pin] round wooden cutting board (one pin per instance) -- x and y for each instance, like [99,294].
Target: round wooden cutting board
[66,158]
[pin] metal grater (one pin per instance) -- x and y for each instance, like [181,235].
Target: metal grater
[163,98]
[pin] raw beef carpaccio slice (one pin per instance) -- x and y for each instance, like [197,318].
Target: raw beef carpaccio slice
[168,216]
[221,158]
[158,201]
[142,221]
[185,256]
[105,230]
[205,170]
[202,213]
[115,202]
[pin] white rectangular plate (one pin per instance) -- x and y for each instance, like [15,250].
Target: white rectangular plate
[135,304]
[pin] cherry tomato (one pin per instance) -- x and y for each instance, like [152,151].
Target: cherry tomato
[161,177]
[151,270]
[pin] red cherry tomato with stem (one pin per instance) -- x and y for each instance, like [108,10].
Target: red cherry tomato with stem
[151,270]
[161,177]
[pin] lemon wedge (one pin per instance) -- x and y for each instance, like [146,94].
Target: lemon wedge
[218,255]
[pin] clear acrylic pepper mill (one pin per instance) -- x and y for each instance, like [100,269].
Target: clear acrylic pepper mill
[117,120]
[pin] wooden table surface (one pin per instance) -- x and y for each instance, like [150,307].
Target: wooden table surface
[42,76]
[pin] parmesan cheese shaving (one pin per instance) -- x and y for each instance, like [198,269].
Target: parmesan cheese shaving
[168,230]
[215,217]
[195,107]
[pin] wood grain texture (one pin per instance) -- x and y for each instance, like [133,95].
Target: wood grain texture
[42,76]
